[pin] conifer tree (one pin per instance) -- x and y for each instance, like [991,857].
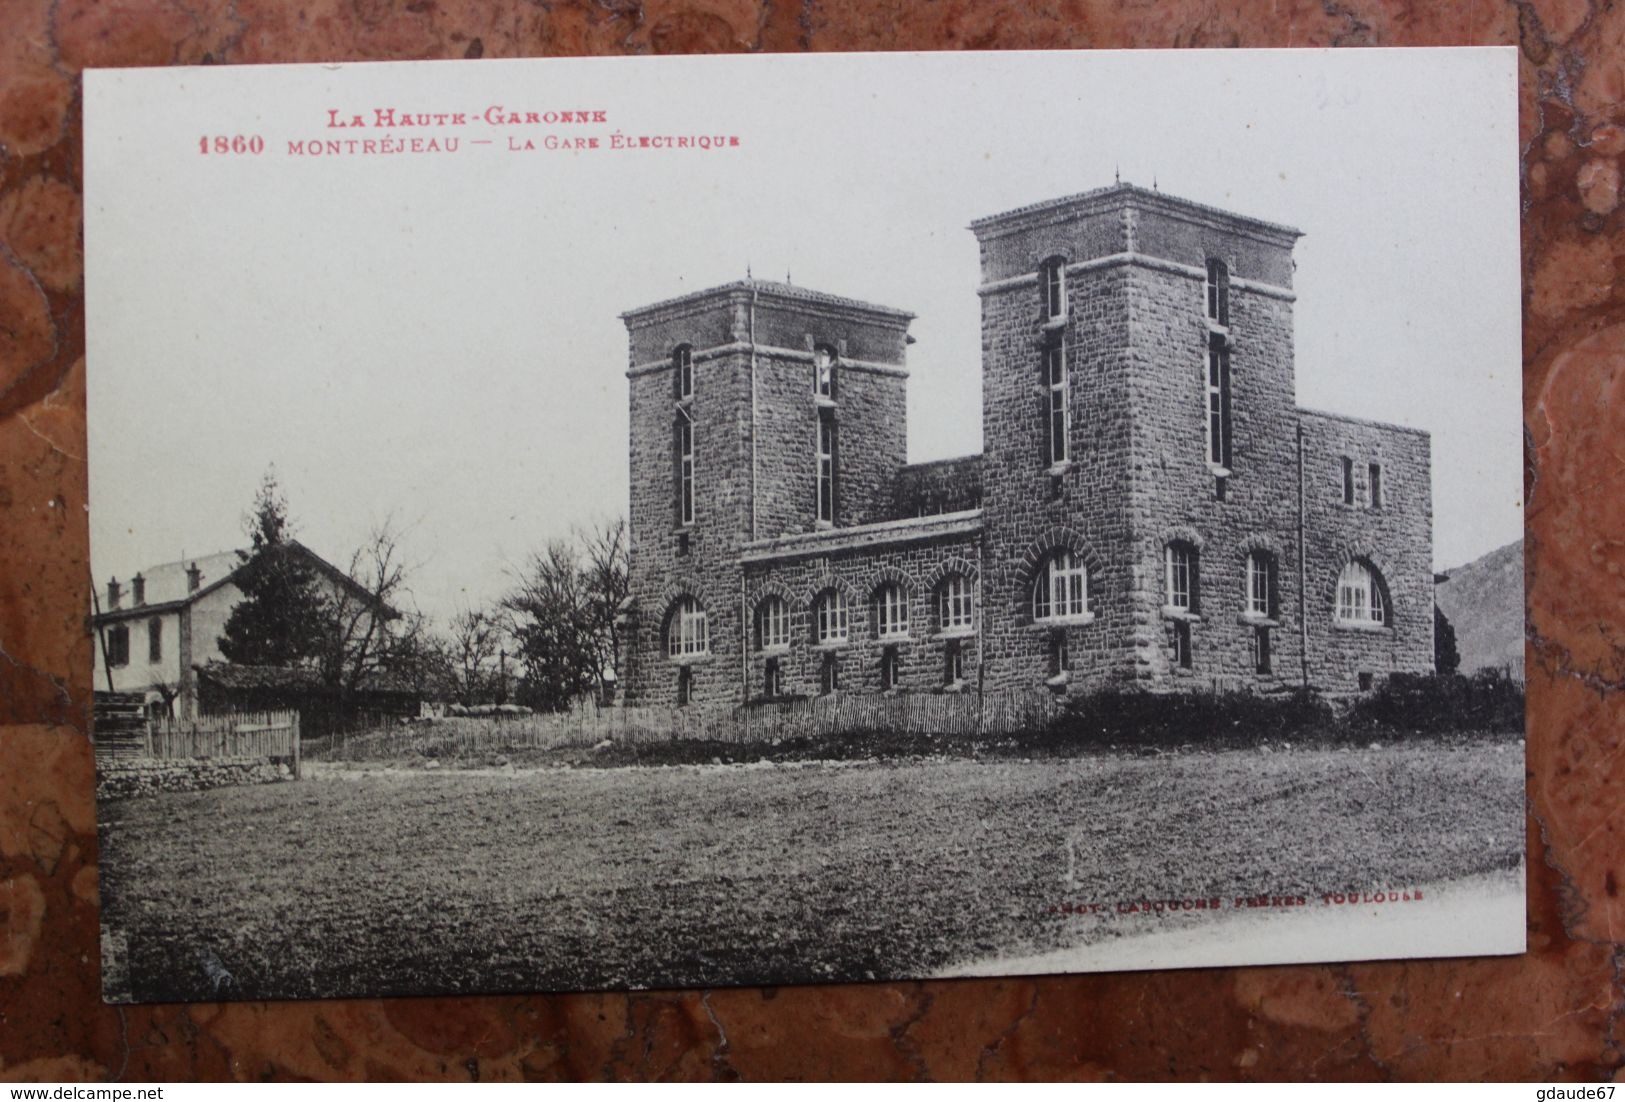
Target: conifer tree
[281,620]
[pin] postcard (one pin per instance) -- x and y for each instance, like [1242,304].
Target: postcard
[646,522]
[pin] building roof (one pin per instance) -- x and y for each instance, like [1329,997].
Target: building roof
[165,586]
[1121,194]
[771,289]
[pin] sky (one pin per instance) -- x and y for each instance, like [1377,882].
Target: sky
[434,337]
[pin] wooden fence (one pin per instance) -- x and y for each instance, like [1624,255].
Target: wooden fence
[268,735]
[954,715]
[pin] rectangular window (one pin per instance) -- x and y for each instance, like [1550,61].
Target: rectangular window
[1060,655]
[1375,474]
[1055,402]
[773,679]
[954,663]
[685,686]
[1218,401]
[826,469]
[1261,649]
[685,468]
[1218,292]
[829,676]
[1260,584]
[1182,644]
[1055,288]
[118,646]
[155,640]
[890,668]
[1348,481]
[1181,577]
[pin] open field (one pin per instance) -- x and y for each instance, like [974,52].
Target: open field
[394,881]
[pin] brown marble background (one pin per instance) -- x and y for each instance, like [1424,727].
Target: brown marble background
[1554,1013]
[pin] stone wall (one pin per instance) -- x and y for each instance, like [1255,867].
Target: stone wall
[119,779]
[799,576]
[1394,536]
[1030,509]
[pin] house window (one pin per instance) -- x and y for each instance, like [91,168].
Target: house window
[1261,649]
[1061,589]
[1262,600]
[891,667]
[1055,402]
[829,618]
[826,468]
[1375,475]
[824,362]
[1052,278]
[1181,645]
[891,611]
[772,624]
[954,604]
[1348,481]
[1218,401]
[685,687]
[155,640]
[1183,577]
[1361,595]
[118,646]
[772,679]
[953,663]
[687,633]
[682,364]
[829,674]
[684,448]
[1218,292]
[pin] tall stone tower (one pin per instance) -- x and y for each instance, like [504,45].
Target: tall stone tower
[758,410]
[1140,441]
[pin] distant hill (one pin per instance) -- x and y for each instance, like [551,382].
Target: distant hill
[1484,603]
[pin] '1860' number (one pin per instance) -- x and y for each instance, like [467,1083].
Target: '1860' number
[220,143]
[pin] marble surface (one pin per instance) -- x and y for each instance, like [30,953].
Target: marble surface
[1554,1013]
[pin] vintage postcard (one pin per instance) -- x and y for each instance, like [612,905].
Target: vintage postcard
[623,523]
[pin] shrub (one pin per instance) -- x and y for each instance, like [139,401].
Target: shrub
[1486,701]
[1127,718]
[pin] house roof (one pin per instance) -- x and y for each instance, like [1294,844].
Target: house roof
[772,289]
[166,587]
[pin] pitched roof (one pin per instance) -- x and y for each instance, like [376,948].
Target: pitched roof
[166,584]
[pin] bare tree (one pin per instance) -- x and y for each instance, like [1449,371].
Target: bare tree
[475,637]
[607,585]
[365,631]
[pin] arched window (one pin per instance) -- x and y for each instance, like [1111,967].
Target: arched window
[772,624]
[1052,282]
[829,617]
[824,364]
[1362,597]
[954,604]
[1061,589]
[1218,292]
[1262,599]
[687,632]
[682,370]
[1183,577]
[891,611]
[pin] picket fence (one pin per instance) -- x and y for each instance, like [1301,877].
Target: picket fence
[268,735]
[952,715]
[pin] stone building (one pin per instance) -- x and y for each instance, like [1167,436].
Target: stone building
[1151,507]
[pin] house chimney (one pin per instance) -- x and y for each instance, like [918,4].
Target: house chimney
[112,593]
[138,589]
[194,578]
